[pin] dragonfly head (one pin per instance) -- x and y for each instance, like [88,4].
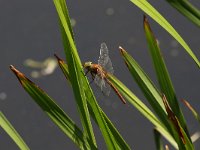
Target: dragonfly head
[87,64]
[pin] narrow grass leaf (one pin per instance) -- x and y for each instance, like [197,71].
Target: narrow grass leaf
[56,114]
[152,12]
[162,132]
[120,141]
[157,138]
[9,129]
[74,68]
[148,88]
[109,139]
[66,14]
[163,77]
[141,107]
[187,9]
[111,132]
[78,79]
[152,95]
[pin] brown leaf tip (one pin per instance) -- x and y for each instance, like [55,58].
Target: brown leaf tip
[58,59]
[145,20]
[121,50]
[16,72]
[187,104]
[146,23]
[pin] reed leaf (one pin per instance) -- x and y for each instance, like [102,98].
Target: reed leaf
[142,108]
[9,129]
[152,12]
[121,142]
[56,114]
[157,138]
[187,9]
[79,82]
[163,77]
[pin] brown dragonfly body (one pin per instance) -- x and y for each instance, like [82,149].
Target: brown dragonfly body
[99,72]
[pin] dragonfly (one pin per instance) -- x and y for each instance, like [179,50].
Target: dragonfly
[99,72]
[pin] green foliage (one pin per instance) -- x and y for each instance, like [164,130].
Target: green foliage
[9,129]
[158,142]
[79,82]
[56,114]
[152,12]
[112,128]
[166,116]
[187,9]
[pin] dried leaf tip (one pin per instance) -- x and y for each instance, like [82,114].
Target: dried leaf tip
[186,103]
[121,50]
[58,59]
[17,72]
[146,23]
[145,20]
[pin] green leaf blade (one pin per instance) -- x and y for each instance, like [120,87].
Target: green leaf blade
[187,9]
[142,108]
[78,80]
[152,12]
[56,114]
[74,68]
[148,88]
[163,77]
[121,142]
[6,125]
[157,138]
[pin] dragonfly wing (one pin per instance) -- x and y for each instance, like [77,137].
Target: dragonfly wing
[99,81]
[104,86]
[108,67]
[106,89]
[104,59]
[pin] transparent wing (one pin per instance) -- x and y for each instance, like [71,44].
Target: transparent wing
[104,59]
[104,86]
[106,89]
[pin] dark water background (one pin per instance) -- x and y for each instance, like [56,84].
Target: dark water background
[29,29]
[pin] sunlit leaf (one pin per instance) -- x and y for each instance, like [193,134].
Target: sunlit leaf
[9,129]
[142,108]
[121,142]
[56,114]
[163,77]
[79,82]
[152,12]
[187,9]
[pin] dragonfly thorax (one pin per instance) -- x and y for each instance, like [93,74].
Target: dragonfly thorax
[87,64]
[93,68]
